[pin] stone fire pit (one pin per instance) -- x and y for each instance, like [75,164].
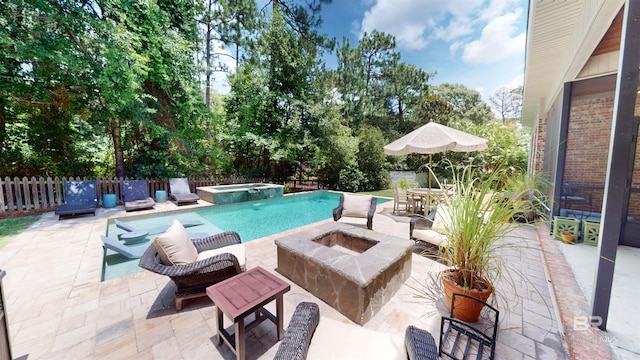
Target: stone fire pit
[354,270]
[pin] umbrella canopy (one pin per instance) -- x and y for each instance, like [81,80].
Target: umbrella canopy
[434,138]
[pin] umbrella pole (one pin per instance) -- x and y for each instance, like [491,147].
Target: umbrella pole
[430,161]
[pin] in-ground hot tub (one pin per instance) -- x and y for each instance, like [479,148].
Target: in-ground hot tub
[354,270]
[227,194]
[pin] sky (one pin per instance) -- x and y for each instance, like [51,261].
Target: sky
[477,43]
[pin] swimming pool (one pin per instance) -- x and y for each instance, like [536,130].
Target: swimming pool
[251,219]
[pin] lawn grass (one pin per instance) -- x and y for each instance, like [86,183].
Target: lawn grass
[386,193]
[13,226]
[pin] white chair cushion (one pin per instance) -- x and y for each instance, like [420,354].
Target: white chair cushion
[353,221]
[430,236]
[334,339]
[175,246]
[356,205]
[442,220]
[236,250]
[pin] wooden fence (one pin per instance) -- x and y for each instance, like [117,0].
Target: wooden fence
[33,194]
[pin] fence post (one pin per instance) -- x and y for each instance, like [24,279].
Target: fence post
[43,192]
[58,191]
[16,184]
[10,196]
[35,193]
[2,192]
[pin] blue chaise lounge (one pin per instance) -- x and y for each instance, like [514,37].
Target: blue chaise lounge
[136,195]
[80,197]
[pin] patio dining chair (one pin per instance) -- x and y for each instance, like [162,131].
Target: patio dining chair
[401,201]
[572,196]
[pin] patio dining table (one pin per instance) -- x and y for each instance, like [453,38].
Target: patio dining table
[424,199]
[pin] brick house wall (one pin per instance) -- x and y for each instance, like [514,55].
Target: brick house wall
[588,148]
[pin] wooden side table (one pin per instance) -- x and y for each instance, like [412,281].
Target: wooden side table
[244,294]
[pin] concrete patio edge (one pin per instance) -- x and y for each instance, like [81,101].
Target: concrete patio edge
[570,303]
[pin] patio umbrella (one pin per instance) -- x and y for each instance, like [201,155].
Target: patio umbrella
[435,138]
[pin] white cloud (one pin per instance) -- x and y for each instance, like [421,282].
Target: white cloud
[498,40]
[496,8]
[453,48]
[415,22]
[514,82]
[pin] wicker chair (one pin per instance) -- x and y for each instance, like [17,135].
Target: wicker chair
[295,344]
[367,213]
[192,279]
[420,344]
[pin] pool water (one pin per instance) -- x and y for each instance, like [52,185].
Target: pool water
[256,219]
[251,220]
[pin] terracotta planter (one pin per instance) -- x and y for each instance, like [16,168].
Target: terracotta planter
[567,238]
[465,309]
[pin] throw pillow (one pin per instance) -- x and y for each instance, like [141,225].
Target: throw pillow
[356,205]
[175,247]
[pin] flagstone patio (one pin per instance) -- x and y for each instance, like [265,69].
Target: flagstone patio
[57,307]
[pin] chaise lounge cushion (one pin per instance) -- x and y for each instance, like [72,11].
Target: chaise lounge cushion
[356,205]
[431,237]
[435,235]
[175,246]
[237,250]
[442,219]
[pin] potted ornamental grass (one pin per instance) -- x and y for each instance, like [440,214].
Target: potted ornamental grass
[479,216]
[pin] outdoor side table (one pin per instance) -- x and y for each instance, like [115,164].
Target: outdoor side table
[244,294]
[161,196]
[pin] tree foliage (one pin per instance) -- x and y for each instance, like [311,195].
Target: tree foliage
[466,103]
[75,72]
[507,103]
[125,88]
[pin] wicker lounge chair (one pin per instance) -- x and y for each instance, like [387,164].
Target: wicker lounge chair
[437,223]
[80,198]
[192,279]
[356,209]
[136,195]
[180,193]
